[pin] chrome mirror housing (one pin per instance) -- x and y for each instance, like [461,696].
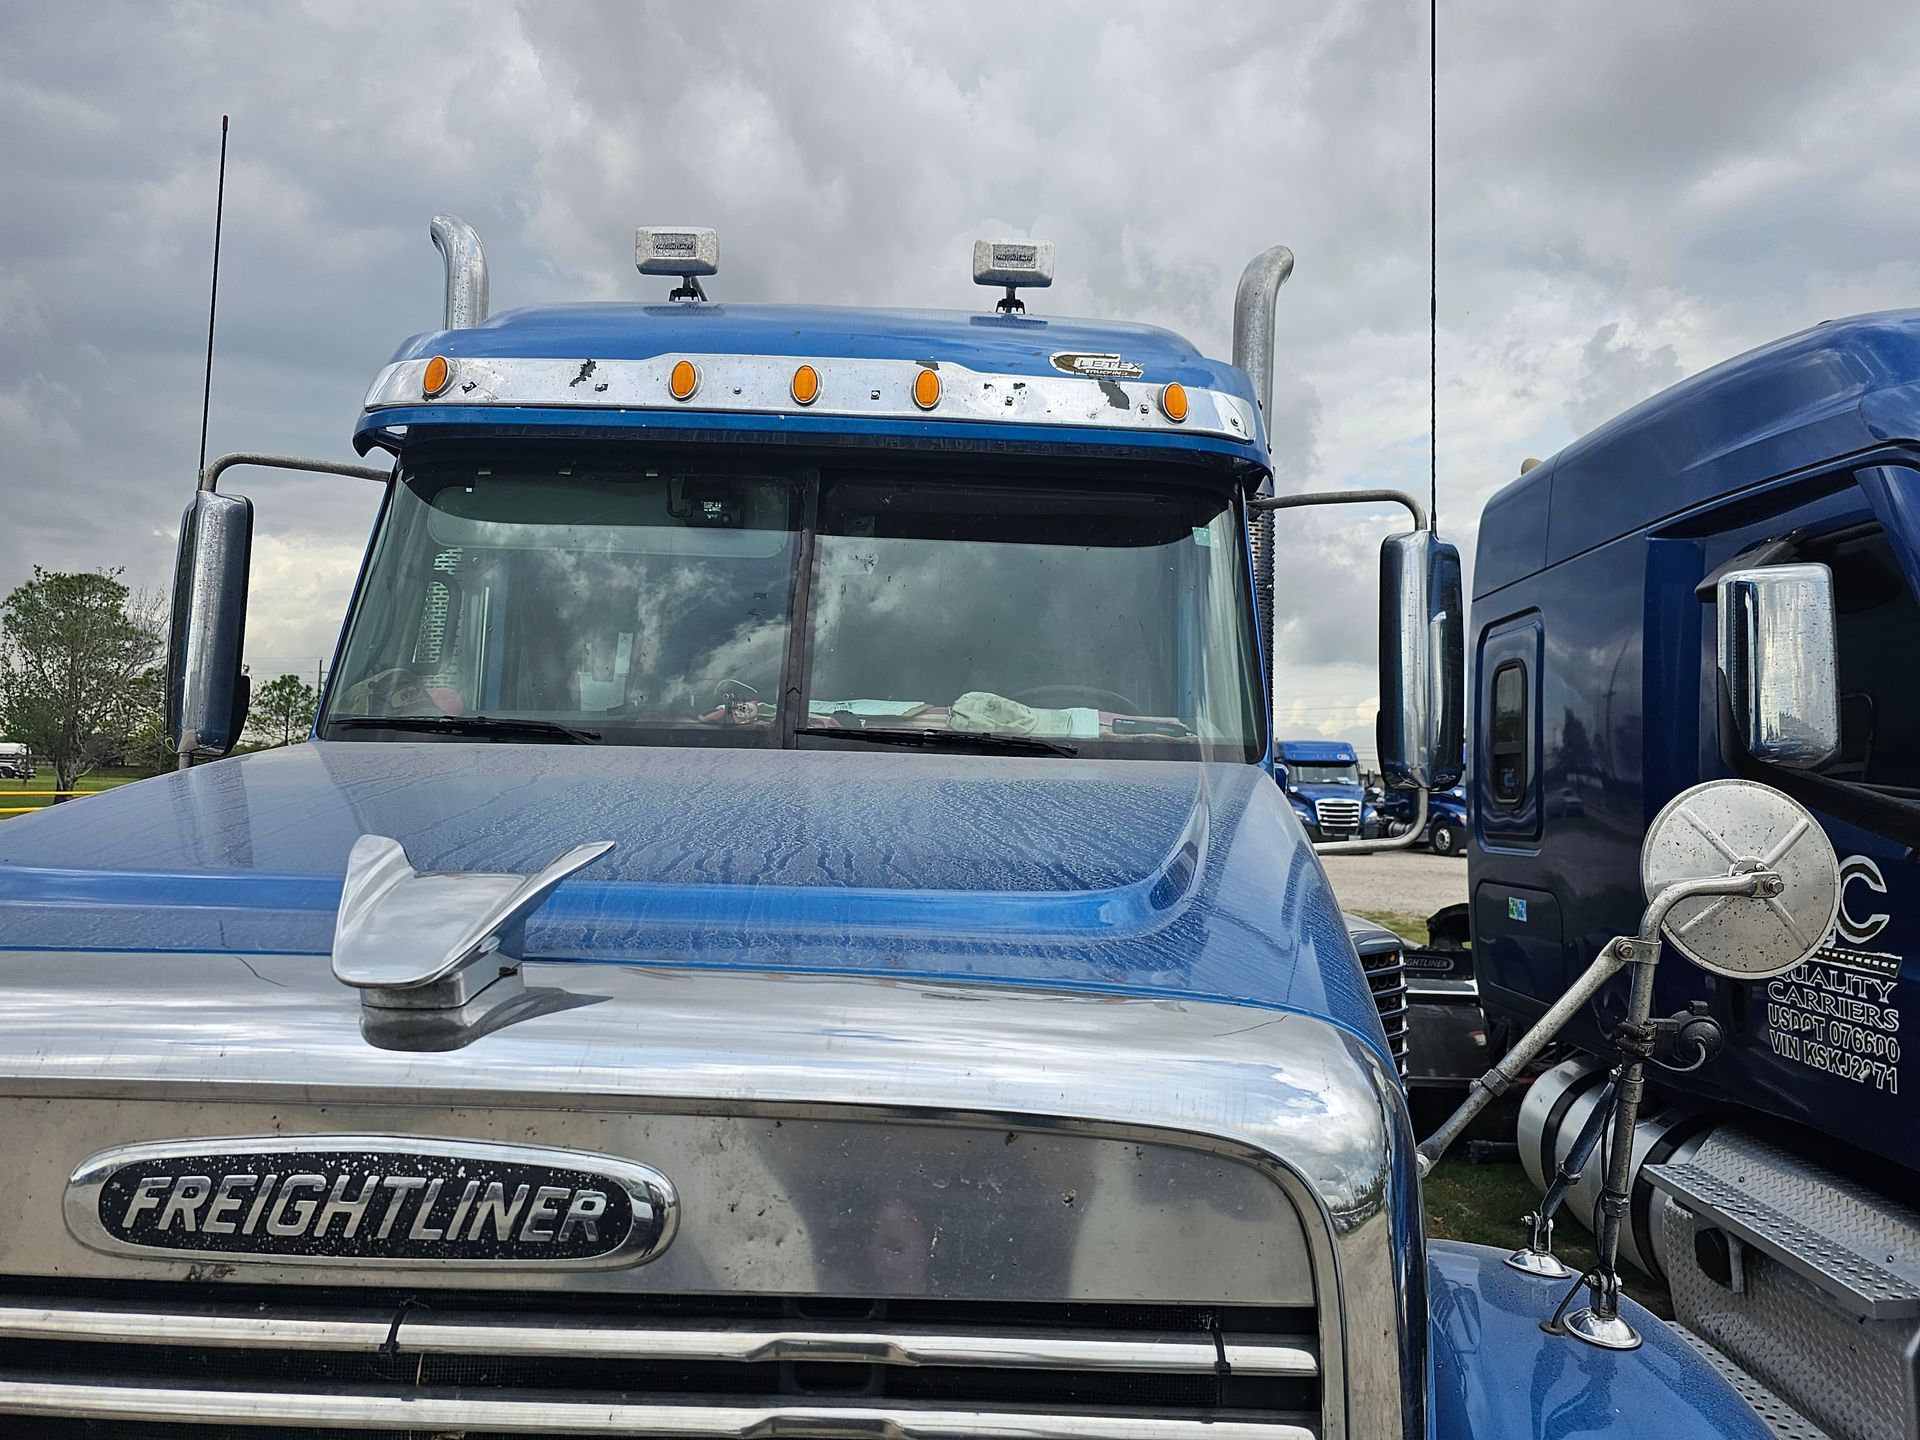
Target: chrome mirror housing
[1422,662]
[206,692]
[1778,661]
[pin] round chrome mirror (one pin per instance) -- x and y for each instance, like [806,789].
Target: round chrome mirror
[1729,827]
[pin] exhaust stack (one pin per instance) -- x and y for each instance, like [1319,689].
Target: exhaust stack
[466,266]
[1253,305]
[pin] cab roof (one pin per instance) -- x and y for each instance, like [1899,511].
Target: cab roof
[1038,348]
[1336,752]
[1011,344]
[1840,388]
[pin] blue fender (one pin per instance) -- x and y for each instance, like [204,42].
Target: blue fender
[1496,1375]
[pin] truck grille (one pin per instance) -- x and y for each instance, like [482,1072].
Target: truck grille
[1386,974]
[203,1361]
[1337,816]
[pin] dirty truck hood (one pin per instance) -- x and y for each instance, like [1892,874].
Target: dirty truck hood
[1140,877]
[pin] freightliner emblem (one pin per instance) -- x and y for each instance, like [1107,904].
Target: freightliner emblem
[371,1200]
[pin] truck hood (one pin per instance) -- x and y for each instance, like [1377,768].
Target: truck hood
[1139,877]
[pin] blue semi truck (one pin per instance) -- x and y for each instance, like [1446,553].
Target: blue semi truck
[1777,1184]
[784,926]
[1322,780]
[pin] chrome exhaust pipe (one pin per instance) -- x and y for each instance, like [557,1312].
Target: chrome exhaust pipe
[1253,305]
[466,266]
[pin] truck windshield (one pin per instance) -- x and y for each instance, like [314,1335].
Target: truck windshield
[737,604]
[1310,772]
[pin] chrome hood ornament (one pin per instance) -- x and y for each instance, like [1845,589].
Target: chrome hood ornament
[436,955]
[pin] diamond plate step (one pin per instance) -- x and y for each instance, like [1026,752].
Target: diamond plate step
[1858,1247]
[1781,1418]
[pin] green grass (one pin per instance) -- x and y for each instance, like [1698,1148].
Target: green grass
[1483,1204]
[1404,923]
[90,784]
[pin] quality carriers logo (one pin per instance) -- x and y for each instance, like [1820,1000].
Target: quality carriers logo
[1839,1013]
[373,1199]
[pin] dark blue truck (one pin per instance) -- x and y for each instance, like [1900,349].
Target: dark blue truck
[1446,826]
[784,927]
[1779,1174]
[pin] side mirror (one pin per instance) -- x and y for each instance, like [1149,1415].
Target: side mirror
[1422,662]
[1280,776]
[206,693]
[1778,663]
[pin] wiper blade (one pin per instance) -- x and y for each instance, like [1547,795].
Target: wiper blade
[944,739]
[496,725]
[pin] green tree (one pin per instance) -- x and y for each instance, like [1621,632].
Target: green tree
[282,709]
[79,668]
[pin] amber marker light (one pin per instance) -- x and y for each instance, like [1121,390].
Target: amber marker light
[926,389]
[437,376]
[806,385]
[1173,401]
[684,380]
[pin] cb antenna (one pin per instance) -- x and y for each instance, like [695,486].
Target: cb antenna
[1433,262]
[213,298]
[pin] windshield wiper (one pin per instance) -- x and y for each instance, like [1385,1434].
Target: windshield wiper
[501,726]
[949,739]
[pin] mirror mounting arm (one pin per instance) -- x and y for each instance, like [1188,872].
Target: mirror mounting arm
[1345,497]
[1641,950]
[210,477]
[207,686]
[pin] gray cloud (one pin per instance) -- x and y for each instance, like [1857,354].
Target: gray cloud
[1628,194]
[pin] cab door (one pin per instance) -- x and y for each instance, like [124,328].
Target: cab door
[1824,1045]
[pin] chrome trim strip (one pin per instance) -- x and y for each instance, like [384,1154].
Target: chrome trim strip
[422,1332]
[571,1414]
[656,1205]
[866,389]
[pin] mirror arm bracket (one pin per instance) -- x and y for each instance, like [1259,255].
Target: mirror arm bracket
[1345,497]
[210,477]
[1641,950]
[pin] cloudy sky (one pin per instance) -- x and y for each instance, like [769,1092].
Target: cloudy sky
[1629,192]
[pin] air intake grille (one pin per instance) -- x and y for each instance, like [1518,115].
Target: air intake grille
[1387,981]
[1337,815]
[206,1361]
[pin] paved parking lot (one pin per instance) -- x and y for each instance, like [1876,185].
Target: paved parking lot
[1398,883]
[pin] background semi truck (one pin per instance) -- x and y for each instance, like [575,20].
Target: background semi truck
[1777,1181]
[749,949]
[1322,779]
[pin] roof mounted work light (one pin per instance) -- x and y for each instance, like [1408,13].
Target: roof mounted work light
[684,250]
[1013,263]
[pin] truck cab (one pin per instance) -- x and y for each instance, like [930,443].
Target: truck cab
[1756,522]
[784,925]
[1322,780]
